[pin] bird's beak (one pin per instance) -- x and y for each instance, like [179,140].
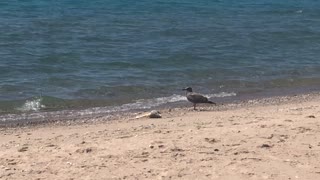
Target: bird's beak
[184,89]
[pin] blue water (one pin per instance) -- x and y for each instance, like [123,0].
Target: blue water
[80,54]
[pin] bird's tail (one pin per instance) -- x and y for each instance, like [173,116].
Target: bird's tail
[210,102]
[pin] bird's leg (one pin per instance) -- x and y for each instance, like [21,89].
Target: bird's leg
[194,106]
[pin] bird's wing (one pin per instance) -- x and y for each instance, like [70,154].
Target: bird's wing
[197,98]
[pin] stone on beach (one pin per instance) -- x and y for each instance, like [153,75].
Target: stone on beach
[151,114]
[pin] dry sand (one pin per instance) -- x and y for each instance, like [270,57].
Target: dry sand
[258,141]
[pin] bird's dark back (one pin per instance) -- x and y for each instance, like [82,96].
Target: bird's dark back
[196,98]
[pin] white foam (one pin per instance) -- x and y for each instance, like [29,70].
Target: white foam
[31,105]
[221,95]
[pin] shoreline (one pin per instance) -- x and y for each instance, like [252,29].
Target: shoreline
[226,104]
[271,138]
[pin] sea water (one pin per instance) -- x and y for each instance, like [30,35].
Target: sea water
[82,55]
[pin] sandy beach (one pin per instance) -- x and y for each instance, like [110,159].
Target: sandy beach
[273,139]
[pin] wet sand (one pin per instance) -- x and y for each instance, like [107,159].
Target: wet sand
[274,138]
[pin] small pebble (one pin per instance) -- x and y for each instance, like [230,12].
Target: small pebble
[265,146]
[23,149]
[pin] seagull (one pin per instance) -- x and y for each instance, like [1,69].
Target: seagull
[196,98]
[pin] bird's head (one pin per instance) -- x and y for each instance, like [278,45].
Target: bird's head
[188,89]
